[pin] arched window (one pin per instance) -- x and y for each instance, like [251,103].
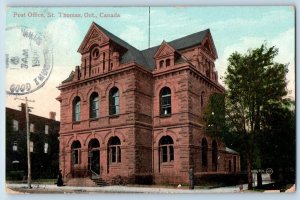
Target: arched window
[165,101]
[114,101]
[166,149]
[76,152]
[94,105]
[161,63]
[168,62]
[76,109]
[204,148]
[114,149]
[95,53]
[214,155]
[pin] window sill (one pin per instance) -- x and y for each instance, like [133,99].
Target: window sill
[167,164]
[94,119]
[165,116]
[76,122]
[114,116]
[115,165]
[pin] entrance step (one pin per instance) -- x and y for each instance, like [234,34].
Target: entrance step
[100,182]
[81,182]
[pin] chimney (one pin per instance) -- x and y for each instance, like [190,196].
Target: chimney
[23,107]
[52,115]
[77,73]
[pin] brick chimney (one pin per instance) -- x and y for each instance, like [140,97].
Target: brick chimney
[52,115]
[23,107]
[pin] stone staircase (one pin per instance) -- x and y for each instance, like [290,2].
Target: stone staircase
[99,182]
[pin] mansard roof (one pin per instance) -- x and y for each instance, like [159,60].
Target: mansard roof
[145,57]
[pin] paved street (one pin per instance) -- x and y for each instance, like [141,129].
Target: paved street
[22,188]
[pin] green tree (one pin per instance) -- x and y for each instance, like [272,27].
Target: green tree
[253,81]
[277,143]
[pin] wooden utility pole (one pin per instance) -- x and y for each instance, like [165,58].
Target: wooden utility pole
[28,140]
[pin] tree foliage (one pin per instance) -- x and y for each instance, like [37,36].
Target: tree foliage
[254,81]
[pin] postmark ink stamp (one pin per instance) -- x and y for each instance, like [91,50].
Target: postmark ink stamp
[27,56]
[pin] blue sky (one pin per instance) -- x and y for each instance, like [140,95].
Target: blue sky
[232,28]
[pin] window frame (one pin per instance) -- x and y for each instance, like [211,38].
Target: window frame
[15,125]
[166,150]
[31,127]
[76,153]
[114,150]
[46,148]
[94,105]
[46,129]
[114,101]
[76,109]
[15,146]
[168,62]
[165,102]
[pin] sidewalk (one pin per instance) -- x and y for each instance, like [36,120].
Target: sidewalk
[42,188]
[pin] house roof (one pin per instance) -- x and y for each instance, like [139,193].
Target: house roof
[145,57]
[132,54]
[178,44]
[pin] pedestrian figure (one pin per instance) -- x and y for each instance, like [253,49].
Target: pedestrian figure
[191,177]
[241,186]
[59,179]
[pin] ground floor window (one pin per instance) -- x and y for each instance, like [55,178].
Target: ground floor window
[166,148]
[114,149]
[76,152]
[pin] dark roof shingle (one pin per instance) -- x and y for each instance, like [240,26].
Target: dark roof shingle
[145,57]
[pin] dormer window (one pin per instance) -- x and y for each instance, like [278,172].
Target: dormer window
[168,62]
[95,53]
[161,63]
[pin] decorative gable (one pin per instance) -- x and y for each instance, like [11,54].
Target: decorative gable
[164,50]
[94,36]
[208,46]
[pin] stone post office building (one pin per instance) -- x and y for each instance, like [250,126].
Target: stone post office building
[135,113]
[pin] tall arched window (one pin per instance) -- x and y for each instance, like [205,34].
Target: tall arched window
[166,149]
[214,155]
[204,148]
[114,101]
[114,149]
[94,105]
[165,101]
[76,109]
[76,152]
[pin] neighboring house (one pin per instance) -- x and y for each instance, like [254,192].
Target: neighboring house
[132,113]
[44,145]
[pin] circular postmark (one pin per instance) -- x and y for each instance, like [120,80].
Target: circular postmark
[28,59]
[269,171]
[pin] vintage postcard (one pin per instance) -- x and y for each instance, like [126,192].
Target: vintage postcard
[150,99]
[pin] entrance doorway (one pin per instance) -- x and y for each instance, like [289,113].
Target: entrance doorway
[94,158]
